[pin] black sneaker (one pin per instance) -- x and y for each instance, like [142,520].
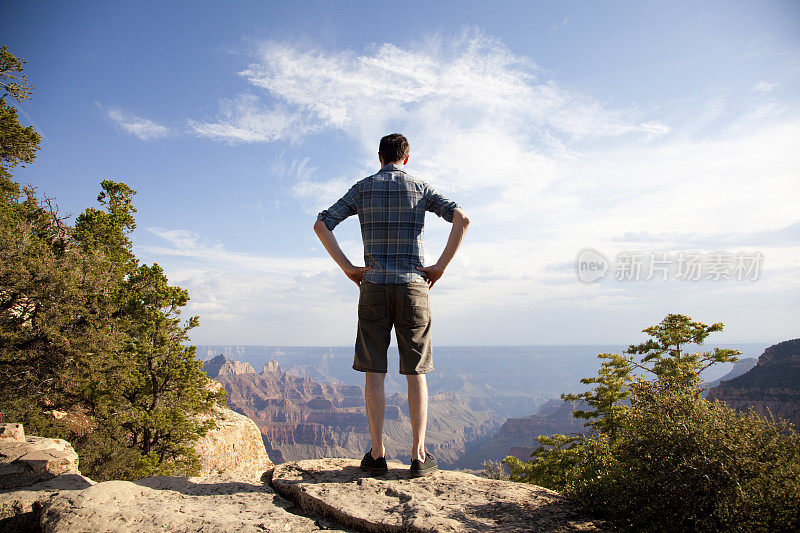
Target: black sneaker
[375,466]
[419,468]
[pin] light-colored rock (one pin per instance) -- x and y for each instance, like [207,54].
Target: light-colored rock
[12,433]
[443,501]
[234,447]
[272,366]
[32,470]
[34,459]
[17,506]
[222,366]
[176,505]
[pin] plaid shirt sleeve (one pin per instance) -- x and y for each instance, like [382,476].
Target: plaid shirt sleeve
[345,207]
[436,203]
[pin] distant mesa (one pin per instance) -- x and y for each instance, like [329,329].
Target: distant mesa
[222,366]
[517,436]
[320,403]
[772,387]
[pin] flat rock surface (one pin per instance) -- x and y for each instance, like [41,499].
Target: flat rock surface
[443,501]
[34,459]
[174,504]
[17,505]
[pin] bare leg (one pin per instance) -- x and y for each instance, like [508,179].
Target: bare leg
[375,399]
[418,410]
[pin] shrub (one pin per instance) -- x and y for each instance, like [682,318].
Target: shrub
[685,463]
[663,458]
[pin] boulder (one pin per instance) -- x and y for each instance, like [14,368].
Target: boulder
[12,433]
[174,504]
[234,447]
[443,501]
[18,507]
[28,460]
[33,469]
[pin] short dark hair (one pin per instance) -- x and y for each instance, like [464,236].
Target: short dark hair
[393,148]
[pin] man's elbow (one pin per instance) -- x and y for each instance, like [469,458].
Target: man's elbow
[461,218]
[319,227]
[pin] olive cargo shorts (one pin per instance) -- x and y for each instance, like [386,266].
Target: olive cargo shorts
[404,306]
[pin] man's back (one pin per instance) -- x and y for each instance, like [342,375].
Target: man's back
[391,206]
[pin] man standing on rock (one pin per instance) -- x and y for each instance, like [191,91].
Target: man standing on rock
[393,286]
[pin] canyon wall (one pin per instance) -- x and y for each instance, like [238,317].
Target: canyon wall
[772,387]
[300,418]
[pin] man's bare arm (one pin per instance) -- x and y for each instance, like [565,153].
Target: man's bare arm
[460,225]
[332,246]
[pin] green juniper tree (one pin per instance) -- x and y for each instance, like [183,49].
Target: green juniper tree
[86,332]
[18,143]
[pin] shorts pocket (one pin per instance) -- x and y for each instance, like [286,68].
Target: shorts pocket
[416,307]
[372,303]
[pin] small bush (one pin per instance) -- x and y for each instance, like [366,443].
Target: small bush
[494,470]
[664,458]
[685,463]
[550,464]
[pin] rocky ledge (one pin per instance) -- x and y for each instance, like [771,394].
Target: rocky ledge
[27,460]
[310,495]
[174,504]
[443,501]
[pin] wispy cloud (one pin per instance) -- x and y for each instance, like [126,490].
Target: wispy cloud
[143,128]
[243,119]
[471,81]
[557,26]
[246,297]
[765,86]
[179,243]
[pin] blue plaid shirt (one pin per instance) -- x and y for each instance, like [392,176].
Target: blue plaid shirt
[391,208]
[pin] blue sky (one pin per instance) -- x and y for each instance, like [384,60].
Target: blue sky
[654,130]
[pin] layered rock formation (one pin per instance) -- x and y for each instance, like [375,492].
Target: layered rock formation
[221,366]
[300,418]
[740,367]
[772,387]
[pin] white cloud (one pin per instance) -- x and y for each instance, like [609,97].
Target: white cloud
[187,244]
[765,86]
[472,83]
[243,119]
[143,128]
[247,298]
[653,129]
